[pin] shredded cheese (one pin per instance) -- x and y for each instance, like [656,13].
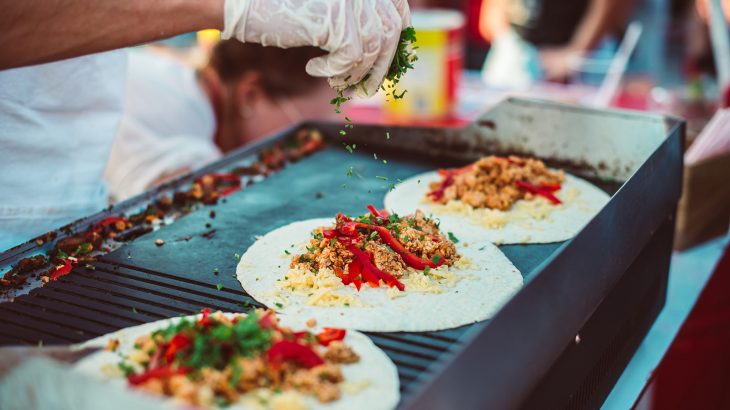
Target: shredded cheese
[353,388]
[523,212]
[323,288]
[437,280]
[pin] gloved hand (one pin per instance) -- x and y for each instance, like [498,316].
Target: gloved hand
[361,36]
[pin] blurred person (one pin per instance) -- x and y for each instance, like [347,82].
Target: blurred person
[532,38]
[177,118]
[62,89]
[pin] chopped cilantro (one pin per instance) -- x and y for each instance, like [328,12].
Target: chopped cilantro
[218,286]
[126,369]
[381,177]
[236,256]
[287,252]
[453,238]
[436,259]
[279,305]
[426,270]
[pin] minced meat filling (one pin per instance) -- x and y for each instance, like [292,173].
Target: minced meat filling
[491,182]
[419,235]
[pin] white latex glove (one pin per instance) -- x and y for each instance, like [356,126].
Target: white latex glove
[361,36]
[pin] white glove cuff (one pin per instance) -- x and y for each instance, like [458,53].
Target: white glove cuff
[235,13]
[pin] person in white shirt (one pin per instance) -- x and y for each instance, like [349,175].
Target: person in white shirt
[177,119]
[57,120]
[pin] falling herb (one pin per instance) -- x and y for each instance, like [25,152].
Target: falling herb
[218,286]
[134,310]
[349,171]
[236,256]
[381,177]
[387,135]
[402,62]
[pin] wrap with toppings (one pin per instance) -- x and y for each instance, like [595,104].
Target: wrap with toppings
[502,200]
[378,272]
[247,362]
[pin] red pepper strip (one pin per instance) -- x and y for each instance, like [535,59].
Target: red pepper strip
[63,270]
[368,275]
[329,335]
[177,343]
[160,373]
[329,233]
[341,218]
[368,269]
[354,270]
[266,321]
[230,190]
[411,259]
[546,192]
[288,350]
[439,193]
[551,187]
[350,228]
[204,317]
[373,211]
[448,175]
[381,216]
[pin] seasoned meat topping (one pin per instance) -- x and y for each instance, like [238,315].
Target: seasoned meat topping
[492,182]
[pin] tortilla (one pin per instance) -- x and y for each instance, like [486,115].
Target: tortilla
[533,221]
[371,383]
[483,286]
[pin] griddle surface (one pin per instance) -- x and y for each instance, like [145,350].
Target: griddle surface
[143,282]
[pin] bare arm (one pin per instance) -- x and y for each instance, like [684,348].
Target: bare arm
[493,19]
[42,31]
[602,16]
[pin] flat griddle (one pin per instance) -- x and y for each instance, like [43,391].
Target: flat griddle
[511,361]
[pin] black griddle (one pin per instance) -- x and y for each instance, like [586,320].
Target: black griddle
[561,342]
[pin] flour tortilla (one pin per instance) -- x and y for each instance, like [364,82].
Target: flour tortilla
[489,281]
[581,202]
[374,377]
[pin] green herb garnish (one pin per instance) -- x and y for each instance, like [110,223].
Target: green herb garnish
[453,238]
